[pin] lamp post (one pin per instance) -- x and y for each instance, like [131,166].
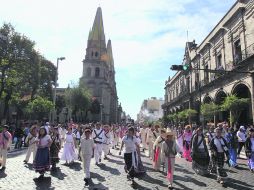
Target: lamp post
[56,77]
[101,106]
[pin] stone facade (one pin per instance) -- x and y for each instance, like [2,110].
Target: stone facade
[99,73]
[229,46]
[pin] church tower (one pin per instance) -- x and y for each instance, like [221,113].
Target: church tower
[99,73]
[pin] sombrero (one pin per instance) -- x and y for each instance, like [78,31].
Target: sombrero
[169,132]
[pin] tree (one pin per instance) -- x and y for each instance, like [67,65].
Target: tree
[187,114]
[210,110]
[78,99]
[39,108]
[235,105]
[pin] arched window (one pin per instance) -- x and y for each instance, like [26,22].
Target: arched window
[92,53]
[88,72]
[97,72]
[96,54]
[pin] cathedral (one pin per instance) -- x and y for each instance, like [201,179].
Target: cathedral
[99,74]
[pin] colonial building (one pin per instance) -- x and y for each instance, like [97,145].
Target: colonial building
[99,73]
[229,46]
[150,110]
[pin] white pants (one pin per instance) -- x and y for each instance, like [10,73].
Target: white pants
[97,152]
[3,156]
[116,140]
[86,159]
[31,149]
[150,150]
[106,148]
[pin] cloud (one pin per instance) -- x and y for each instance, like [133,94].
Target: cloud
[147,36]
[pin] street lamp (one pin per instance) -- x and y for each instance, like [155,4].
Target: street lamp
[56,78]
[101,106]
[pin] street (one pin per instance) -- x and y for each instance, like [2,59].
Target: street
[110,175]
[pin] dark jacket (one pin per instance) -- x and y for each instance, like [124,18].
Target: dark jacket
[248,145]
[214,148]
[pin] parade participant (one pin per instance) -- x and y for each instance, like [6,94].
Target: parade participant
[187,135]
[140,168]
[232,142]
[249,144]
[5,143]
[219,148]
[47,127]
[69,153]
[210,134]
[200,155]
[179,140]
[30,141]
[241,139]
[86,147]
[76,132]
[107,139]
[62,132]
[157,149]
[168,156]
[143,137]
[98,137]
[148,140]
[130,142]
[116,132]
[41,162]
[55,147]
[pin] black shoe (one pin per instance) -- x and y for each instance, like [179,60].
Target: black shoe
[3,169]
[86,181]
[105,158]
[100,160]
[96,163]
[25,162]
[41,176]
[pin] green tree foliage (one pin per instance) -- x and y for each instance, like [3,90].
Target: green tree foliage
[39,108]
[23,71]
[235,105]
[209,110]
[78,99]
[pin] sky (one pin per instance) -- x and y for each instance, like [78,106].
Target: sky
[148,36]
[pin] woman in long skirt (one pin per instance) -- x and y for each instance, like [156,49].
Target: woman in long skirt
[130,153]
[249,144]
[55,147]
[157,150]
[168,156]
[200,155]
[232,141]
[187,135]
[179,140]
[140,167]
[69,153]
[41,163]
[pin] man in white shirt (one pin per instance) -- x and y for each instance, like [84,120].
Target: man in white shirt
[241,139]
[107,141]
[47,127]
[98,137]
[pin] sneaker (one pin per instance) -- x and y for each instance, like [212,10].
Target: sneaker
[86,181]
[170,186]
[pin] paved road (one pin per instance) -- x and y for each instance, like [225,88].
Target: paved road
[110,176]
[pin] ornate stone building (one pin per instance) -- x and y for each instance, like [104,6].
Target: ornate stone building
[229,46]
[99,73]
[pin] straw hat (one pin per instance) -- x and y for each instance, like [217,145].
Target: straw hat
[169,132]
[87,130]
[188,127]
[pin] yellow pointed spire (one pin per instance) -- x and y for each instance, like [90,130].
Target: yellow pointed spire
[97,32]
[110,54]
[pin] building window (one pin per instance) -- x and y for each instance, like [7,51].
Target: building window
[97,72]
[237,51]
[88,72]
[96,54]
[206,74]
[92,53]
[219,61]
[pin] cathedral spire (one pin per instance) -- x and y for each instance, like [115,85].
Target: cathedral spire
[110,55]
[97,32]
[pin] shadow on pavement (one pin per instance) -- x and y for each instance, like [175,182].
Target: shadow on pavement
[44,183]
[58,174]
[138,186]
[237,184]
[190,179]
[151,180]
[115,161]
[76,166]
[183,187]
[185,171]
[3,175]
[93,186]
[109,169]
[29,166]
[97,176]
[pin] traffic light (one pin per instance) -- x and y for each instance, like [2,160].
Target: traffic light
[185,67]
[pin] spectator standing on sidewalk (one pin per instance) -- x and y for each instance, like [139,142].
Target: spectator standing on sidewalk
[19,135]
[5,143]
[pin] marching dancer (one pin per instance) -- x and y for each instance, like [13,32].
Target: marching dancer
[179,140]
[69,153]
[30,141]
[200,155]
[5,143]
[157,150]
[62,132]
[98,137]
[140,167]
[41,162]
[249,144]
[143,137]
[55,147]
[106,141]
[131,150]
[232,142]
[87,147]
[187,135]
[149,140]
[168,156]
[219,148]
[241,139]
[116,132]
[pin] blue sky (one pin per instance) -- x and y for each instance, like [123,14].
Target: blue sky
[147,37]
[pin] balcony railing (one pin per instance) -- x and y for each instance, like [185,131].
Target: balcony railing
[245,54]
